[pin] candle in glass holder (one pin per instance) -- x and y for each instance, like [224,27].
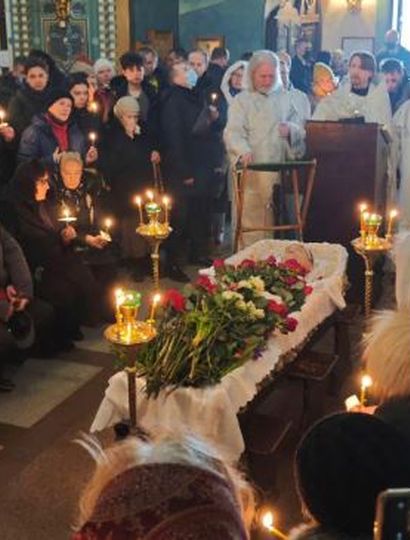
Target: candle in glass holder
[393,214]
[165,202]
[93,137]
[138,202]
[365,383]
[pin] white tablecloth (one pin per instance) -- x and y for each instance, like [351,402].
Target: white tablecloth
[211,412]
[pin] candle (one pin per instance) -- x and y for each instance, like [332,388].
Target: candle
[108,224]
[138,201]
[366,383]
[2,118]
[267,522]
[165,202]
[393,214]
[94,107]
[155,301]
[150,195]
[214,98]
[93,137]
[362,208]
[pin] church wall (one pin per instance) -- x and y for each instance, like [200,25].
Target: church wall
[241,22]
[153,15]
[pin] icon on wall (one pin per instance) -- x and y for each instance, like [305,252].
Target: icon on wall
[65,43]
[208,44]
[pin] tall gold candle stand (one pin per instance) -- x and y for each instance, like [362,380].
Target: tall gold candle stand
[156,230]
[130,334]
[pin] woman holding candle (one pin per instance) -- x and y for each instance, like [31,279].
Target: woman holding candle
[126,163]
[61,277]
[87,120]
[54,132]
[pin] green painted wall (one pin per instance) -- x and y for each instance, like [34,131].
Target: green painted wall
[153,15]
[240,21]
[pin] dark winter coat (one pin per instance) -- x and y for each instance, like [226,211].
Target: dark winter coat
[25,105]
[192,145]
[9,86]
[126,165]
[38,141]
[301,75]
[87,122]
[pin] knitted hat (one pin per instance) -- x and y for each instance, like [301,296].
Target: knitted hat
[126,105]
[343,463]
[56,94]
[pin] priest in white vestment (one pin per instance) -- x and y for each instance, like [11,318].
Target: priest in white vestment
[264,126]
[363,93]
[401,123]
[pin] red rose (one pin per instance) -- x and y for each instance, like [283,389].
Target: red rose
[291,324]
[247,263]
[290,280]
[279,309]
[293,264]
[175,299]
[308,290]
[218,263]
[205,283]
[271,261]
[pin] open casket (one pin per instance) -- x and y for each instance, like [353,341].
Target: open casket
[211,412]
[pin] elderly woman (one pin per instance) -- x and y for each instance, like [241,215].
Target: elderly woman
[263,126]
[175,488]
[52,133]
[61,277]
[125,160]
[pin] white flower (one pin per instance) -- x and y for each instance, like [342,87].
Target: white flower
[259,313]
[257,283]
[231,295]
[244,284]
[240,304]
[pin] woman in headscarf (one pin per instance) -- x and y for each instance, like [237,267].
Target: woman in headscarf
[234,80]
[126,163]
[263,127]
[172,488]
[60,276]
[324,82]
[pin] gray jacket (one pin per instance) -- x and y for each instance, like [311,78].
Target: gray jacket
[14,270]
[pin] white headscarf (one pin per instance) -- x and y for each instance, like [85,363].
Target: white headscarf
[225,84]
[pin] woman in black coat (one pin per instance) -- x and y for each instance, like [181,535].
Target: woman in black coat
[88,121]
[32,98]
[126,163]
[60,276]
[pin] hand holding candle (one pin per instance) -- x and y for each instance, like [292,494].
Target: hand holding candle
[267,522]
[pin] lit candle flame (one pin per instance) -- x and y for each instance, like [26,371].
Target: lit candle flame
[156,299]
[214,97]
[93,137]
[362,207]
[166,201]
[2,115]
[150,195]
[138,201]
[94,106]
[267,522]
[108,223]
[393,213]
[367,381]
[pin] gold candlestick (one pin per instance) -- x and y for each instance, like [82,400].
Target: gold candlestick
[129,334]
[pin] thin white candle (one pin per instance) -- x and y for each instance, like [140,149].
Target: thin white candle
[165,201]
[138,202]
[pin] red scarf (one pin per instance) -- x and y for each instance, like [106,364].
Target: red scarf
[60,132]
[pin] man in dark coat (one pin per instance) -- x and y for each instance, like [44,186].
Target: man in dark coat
[188,138]
[52,133]
[12,81]
[17,304]
[393,49]
[217,66]
[301,71]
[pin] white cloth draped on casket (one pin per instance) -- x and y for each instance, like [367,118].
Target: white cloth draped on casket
[211,412]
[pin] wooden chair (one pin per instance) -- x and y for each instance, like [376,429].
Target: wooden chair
[301,210]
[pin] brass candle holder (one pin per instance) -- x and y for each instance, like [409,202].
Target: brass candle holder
[156,229]
[370,246]
[130,334]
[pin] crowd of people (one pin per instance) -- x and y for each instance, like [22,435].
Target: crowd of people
[83,144]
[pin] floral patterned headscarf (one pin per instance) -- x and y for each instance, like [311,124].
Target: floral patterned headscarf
[166,501]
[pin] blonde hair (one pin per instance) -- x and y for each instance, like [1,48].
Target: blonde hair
[387,353]
[185,450]
[68,157]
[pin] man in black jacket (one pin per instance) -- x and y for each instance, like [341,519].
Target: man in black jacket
[187,137]
[301,71]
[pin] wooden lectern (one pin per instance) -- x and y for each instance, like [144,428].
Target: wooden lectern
[351,168]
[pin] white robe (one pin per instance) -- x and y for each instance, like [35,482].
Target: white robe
[253,126]
[342,103]
[401,123]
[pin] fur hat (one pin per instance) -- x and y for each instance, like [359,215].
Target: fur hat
[342,465]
